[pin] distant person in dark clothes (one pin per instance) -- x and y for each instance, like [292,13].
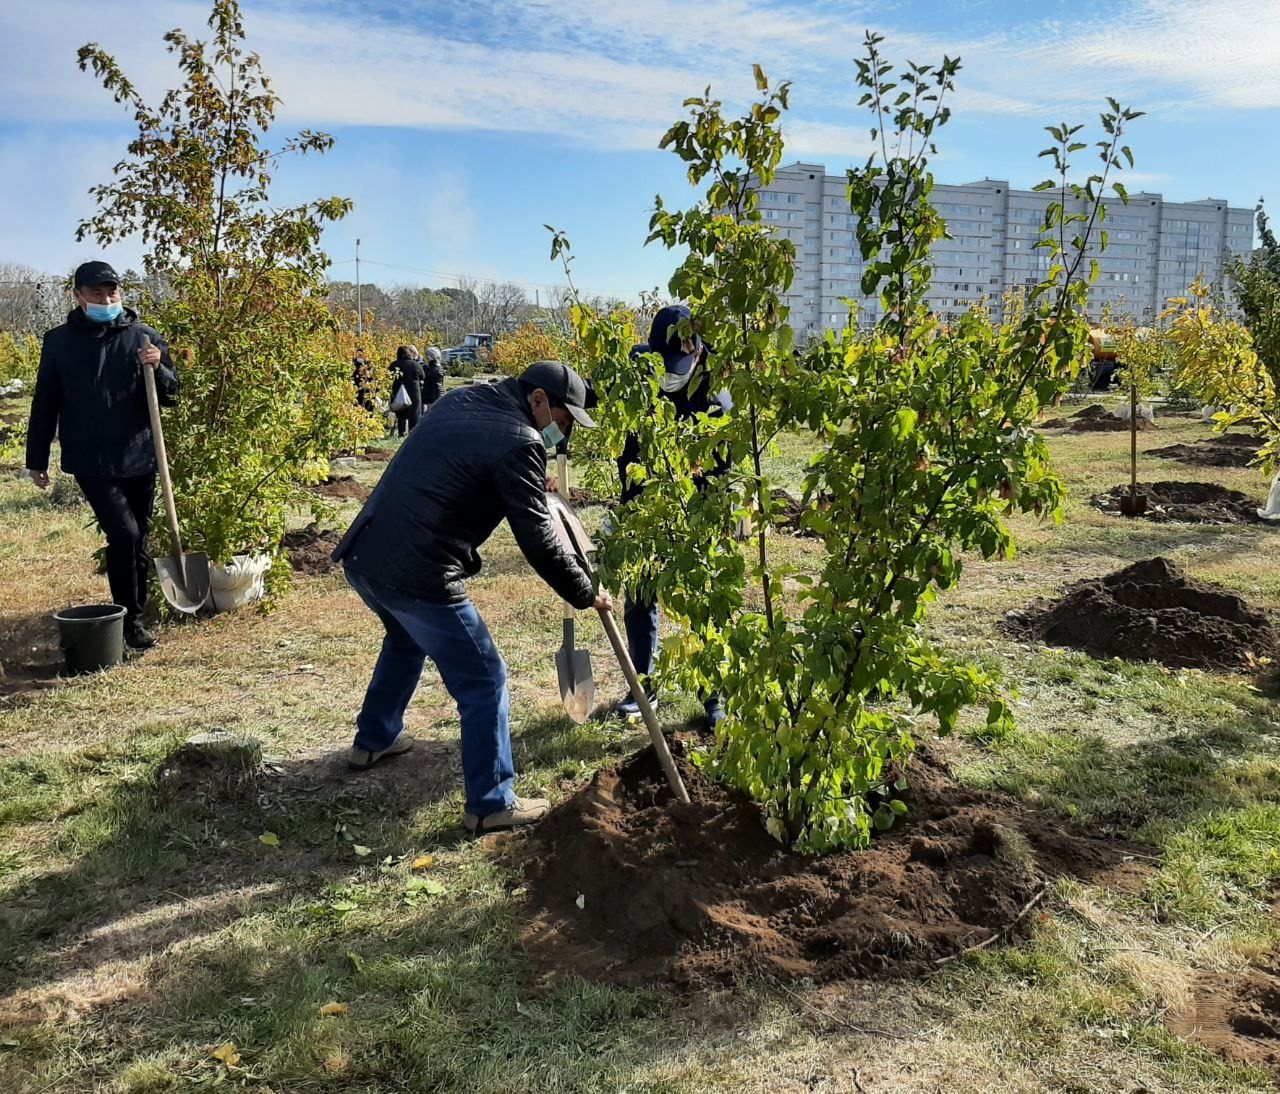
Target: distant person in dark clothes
[409,553]
[365,382]
[683,383]
[408,373]
[433,386]
[90,393]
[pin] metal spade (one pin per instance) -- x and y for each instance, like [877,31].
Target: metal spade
[184,579]
[573,665]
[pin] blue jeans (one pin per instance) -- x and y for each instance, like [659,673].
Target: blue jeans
[641,618]
[456,639]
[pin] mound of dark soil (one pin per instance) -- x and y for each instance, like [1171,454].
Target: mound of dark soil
[378,455]
[1096,418]
[1151,611]
[1186,502]
[1238,1018]
[582,498]
[631,886]
[342,487]
[1227,450]
[311,548]
[788,510]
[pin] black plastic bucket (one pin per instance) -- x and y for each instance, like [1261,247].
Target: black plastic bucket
[91,636]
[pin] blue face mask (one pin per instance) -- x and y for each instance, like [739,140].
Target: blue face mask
[103,313]
[552,434]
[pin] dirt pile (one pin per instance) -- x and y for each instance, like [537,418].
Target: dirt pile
[1238,1018]
[1096,418]
[582,498]
[311,549]
[787,511]
[1186,502]
[631,886]
[378,455]
[342,488]
[1227,450]
[1151,611]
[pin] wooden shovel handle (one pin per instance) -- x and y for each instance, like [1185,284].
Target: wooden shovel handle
[646,709]
[562,482]
[162,460]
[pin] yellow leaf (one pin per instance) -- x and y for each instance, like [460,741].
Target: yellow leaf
[334,1009]
[226,1054]
[423,862]
[270,839]
[361,850]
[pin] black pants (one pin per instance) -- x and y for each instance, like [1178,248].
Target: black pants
[123,508]
[407,419]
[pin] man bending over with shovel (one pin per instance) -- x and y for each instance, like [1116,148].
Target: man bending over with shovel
[479,456]
[90,391]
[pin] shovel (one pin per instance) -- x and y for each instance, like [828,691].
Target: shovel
[184,579]
[573,666]
[575,537]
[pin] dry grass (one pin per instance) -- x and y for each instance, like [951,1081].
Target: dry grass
[140,930]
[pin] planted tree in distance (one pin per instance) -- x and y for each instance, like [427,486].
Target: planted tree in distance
[925,444]
[265,400]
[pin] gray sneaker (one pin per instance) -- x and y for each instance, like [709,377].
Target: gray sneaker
[361,759]
[521,811]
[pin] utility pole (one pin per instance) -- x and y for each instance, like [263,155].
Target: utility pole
[359,306]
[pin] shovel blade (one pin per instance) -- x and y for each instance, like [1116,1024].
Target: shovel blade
[184,580]
[577,685]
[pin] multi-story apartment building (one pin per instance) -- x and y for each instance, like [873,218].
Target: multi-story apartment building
[1156,248]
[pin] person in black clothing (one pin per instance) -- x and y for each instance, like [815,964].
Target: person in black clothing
[408,373]
[433,386]
[364,380]
[480,457]
[90,392]
[683,382]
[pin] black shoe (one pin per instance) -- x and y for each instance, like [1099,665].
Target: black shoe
[137,637]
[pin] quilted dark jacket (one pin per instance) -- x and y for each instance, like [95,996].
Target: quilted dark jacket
[90,392]
[476,459]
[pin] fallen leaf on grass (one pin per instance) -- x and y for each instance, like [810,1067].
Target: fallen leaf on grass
[357,961]
[581,902]
[423,862]
[270,839]
[333,1009]
[226,1054]
[361,850]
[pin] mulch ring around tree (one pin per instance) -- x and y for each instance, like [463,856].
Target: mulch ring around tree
[342,488]
[1226,450]
[311,549]
[630,886]
[1186,503]
[1096,418]
[1152,611]
[1236,1016]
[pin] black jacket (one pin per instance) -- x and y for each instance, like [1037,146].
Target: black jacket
[694,398]
[90,392]
[433,382]
[409,375]
[480,459]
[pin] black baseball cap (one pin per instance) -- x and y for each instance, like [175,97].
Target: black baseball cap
[563,385]
[664,339]
[91,274]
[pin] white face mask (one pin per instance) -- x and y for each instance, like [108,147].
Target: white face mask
[671,382]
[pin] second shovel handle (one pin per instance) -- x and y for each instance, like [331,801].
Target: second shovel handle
[162,458]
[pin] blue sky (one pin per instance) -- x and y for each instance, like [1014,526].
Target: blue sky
[462,129]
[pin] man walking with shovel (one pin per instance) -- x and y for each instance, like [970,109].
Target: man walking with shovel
[90,391]
[480,456]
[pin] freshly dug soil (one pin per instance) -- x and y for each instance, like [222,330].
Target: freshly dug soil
[1096,418]
[1236,1018]
[631,886]
[582,498]
[1227,450]
[787,512]
[378,455]
[1151,611]
[310,549]
[1186,502]
[342,487]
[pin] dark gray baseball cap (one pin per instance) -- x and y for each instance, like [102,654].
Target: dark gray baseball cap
[563,385]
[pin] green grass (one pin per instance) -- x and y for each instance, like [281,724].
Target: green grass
[142,926]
